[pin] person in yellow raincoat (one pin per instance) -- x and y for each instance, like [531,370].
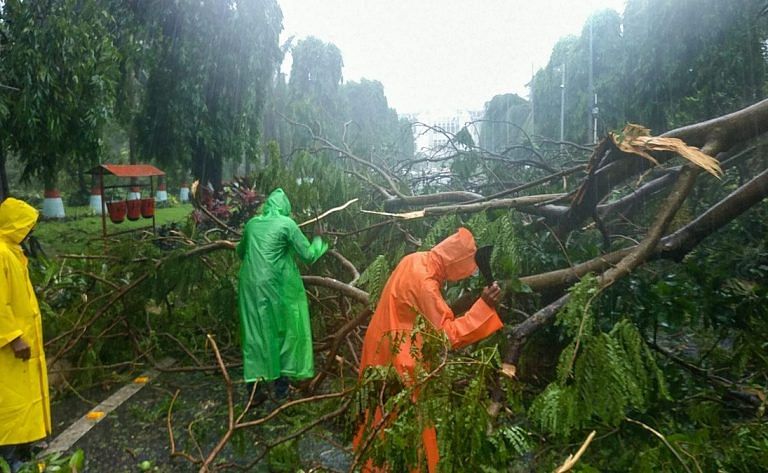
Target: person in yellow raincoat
[414,289]
[25,415]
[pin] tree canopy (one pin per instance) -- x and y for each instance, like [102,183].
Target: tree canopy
[60,57]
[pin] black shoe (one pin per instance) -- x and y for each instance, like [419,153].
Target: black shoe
[254,398]
[15,456]
[280,387]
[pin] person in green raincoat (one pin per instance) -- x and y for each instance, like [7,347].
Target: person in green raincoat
[274,314]
[25,413]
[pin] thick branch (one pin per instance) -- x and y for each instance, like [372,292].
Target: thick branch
[634,258]
[636,198]
[517,202]
[347,265]
[685,182]
[673,246]
[713,137]
[680,243]
[349,291]
[431,199]
[721,133]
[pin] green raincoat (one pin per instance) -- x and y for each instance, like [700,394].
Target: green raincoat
[274,314]
[25,413]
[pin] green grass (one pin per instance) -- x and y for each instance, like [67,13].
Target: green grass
[81,231]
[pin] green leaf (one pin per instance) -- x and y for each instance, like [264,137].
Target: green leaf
[77,461]
[516,285]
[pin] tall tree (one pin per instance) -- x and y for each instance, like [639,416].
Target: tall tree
[316,72]
[314,89]
[206,88]
[503,121]
[60,56]
[664,64]
[375,128]
[4,99]
[691,60]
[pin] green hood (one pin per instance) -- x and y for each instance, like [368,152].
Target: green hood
[277,204]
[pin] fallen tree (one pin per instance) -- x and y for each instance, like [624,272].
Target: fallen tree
[561,199]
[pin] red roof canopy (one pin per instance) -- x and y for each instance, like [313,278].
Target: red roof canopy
[127,170]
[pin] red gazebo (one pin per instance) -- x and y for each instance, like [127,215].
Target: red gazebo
[133,209]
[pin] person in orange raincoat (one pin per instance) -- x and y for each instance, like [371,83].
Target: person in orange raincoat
[414,289]
[24,404]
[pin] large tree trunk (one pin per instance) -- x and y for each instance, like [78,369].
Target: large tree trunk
[4,189]
[206,167]
[612,167]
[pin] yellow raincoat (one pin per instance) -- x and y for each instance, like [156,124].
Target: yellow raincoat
[25,414]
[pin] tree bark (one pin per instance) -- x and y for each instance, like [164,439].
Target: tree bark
[639,254]
[712,136]
[4,187]
[430,199]
[674,246]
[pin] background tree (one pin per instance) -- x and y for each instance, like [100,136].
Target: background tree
[61,57]
[376,129]
[663,64]
[504,121]
[4,100]
[207,85]
[313,88]
[315,102]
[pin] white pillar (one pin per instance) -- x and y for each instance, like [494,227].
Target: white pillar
[53,206]
[184,193]
[95,202]
[134,194]
[161,195]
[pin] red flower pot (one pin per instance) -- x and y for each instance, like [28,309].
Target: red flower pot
[134,209]
[148,207]
[117,211]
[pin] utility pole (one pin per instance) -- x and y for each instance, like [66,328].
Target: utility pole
[562,112]
[595,111]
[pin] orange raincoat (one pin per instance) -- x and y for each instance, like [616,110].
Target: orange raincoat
[414,289]
[24,405]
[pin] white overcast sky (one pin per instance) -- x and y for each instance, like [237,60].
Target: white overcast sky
[441,55]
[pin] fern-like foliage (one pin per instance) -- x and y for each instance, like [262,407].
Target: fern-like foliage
[375,277]
[507,257]
[499,232]
[487,230]
[441,229]
[480,227]
[600,376]
[450,393]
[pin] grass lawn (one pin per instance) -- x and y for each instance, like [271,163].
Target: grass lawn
[81,231]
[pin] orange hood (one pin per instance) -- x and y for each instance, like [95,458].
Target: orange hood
[455,255]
